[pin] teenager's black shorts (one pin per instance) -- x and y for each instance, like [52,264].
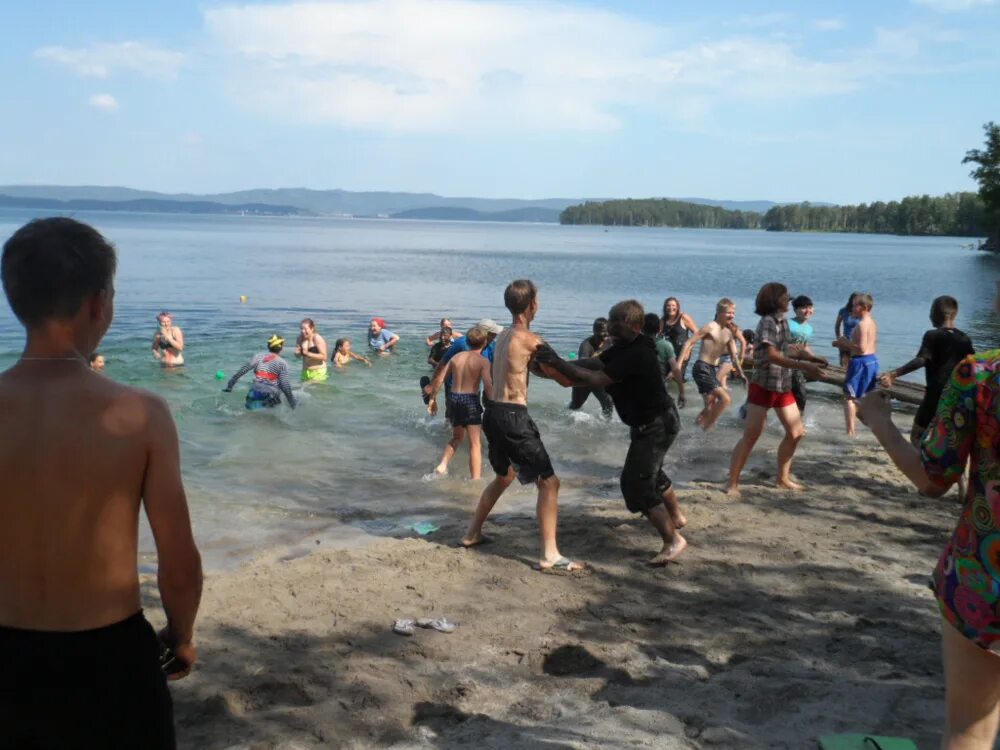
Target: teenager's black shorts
[514,441]
[101,688]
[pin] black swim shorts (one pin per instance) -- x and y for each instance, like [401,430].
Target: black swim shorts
[705,377]
[514,441]
[643,480]
[465,409]
[101,688]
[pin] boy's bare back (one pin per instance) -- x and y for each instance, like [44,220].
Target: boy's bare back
[468,370]
[74,458]
[865,335]
[512,357]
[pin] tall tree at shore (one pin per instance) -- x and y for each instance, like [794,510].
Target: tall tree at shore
[987,174]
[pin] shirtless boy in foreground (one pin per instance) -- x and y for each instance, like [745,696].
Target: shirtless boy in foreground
[716,340]
[470,371]
[79,454]
[862,371]
[515,447]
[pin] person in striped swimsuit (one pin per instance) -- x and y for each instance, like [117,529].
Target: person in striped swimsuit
[270,377]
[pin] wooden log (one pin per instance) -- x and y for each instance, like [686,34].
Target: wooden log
[902,390]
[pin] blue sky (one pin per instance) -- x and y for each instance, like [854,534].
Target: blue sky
[843,102]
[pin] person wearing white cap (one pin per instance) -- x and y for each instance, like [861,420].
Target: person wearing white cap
[492,328]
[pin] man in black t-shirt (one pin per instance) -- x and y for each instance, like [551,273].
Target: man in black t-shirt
[630,372]
[943,347]
[588,348]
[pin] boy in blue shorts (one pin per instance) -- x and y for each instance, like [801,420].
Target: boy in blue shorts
[862,372]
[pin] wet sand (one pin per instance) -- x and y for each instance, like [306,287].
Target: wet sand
[788,617]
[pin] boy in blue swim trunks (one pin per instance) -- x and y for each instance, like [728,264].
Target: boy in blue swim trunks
[862,372]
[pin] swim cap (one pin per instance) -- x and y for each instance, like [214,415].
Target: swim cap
[380,321]
[274,341]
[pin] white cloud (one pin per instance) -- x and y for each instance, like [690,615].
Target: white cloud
[953,6]
[828,24]
[463,66]
[104,102]
[104,60]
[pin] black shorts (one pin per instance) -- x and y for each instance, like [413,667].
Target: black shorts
[101,688]
[643,480]
[465,409]
[514,441]
[706,377]
[928,408]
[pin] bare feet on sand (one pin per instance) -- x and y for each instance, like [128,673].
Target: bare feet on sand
[670,552]
[473,541]
[733,491]
[440,471]
[788,484]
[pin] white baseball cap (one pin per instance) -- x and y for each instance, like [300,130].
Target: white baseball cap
[489,325]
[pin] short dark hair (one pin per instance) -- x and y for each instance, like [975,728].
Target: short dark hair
[769,298]
[749,335]
[801,301]
[942,308]
[50,266]
[519,295]
[93,357]
[630,311]
[476,337]
[651,324]
[600,325]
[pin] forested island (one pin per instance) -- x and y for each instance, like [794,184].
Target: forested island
[953,214]
[658,212]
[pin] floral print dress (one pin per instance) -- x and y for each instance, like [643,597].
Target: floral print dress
[967,424]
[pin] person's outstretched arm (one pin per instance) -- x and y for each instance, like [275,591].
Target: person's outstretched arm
[251,363]
[179,574]
[947,444]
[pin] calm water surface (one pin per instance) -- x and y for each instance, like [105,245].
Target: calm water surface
[349,462]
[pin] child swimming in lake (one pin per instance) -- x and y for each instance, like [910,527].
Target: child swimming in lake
[342,354]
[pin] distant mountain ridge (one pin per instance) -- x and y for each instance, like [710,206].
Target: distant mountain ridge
[151,205]
[338,202]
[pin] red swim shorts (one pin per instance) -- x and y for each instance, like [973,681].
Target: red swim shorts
[770,399]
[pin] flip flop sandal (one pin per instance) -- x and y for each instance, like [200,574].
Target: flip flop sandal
[562,566]
[403,627]
[439,624]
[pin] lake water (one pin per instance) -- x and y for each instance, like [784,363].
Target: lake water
[349,462]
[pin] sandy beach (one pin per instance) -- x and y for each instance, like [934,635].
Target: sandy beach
[790,616]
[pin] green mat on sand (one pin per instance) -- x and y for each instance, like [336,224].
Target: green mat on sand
[864,742]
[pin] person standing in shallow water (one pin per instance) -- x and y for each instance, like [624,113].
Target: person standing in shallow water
[596,342]
[677,328]
[631,373]
[771,388]
[81,455]
[270,378]
[168,342]
[311,349]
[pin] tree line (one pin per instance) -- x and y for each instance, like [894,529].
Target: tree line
[658,212]
[953,215]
